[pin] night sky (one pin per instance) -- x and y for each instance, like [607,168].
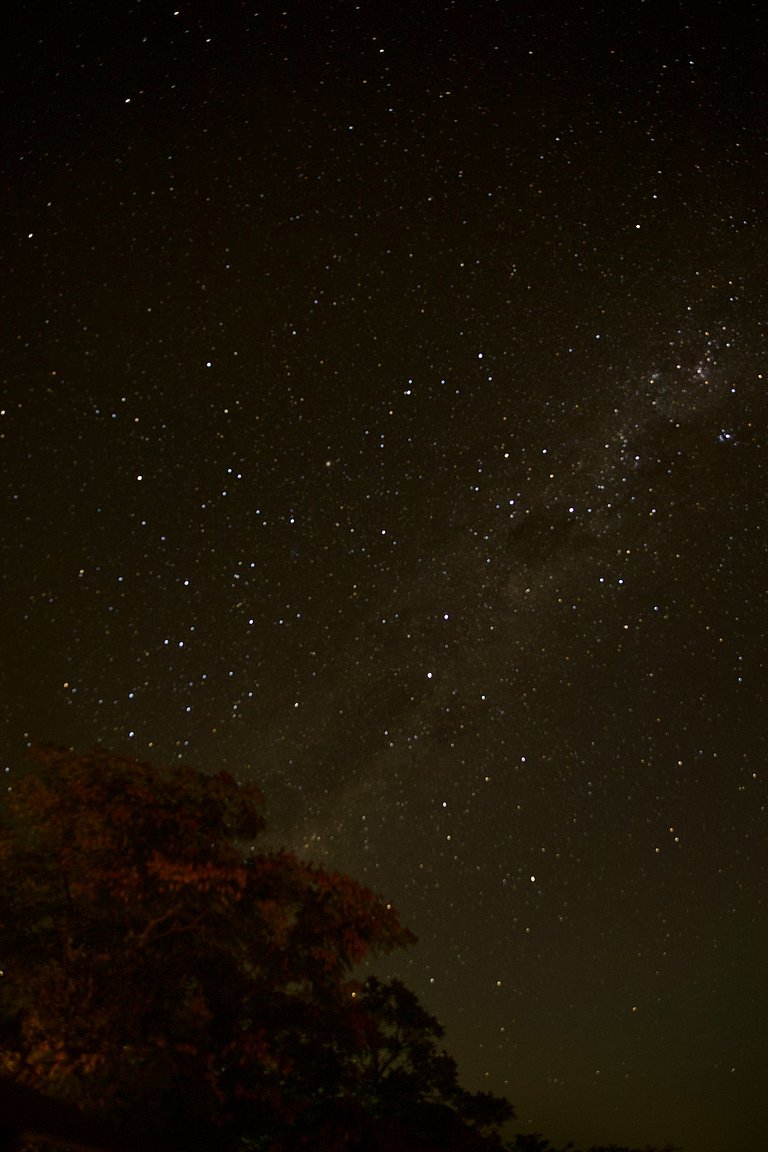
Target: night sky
[383,420]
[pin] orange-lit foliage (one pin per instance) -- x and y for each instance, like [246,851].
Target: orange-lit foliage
[157,964]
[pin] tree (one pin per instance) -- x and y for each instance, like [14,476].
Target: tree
[162,971]
[395,1088]
[402,1063]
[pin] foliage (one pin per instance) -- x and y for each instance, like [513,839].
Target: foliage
[400,1048]
[394,1086]
[160,969]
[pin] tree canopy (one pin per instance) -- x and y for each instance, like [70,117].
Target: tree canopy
[161,969]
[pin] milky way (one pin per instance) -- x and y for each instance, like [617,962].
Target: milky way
[383,420]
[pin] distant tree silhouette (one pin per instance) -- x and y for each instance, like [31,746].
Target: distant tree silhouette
[535,1142]
[394,1085]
